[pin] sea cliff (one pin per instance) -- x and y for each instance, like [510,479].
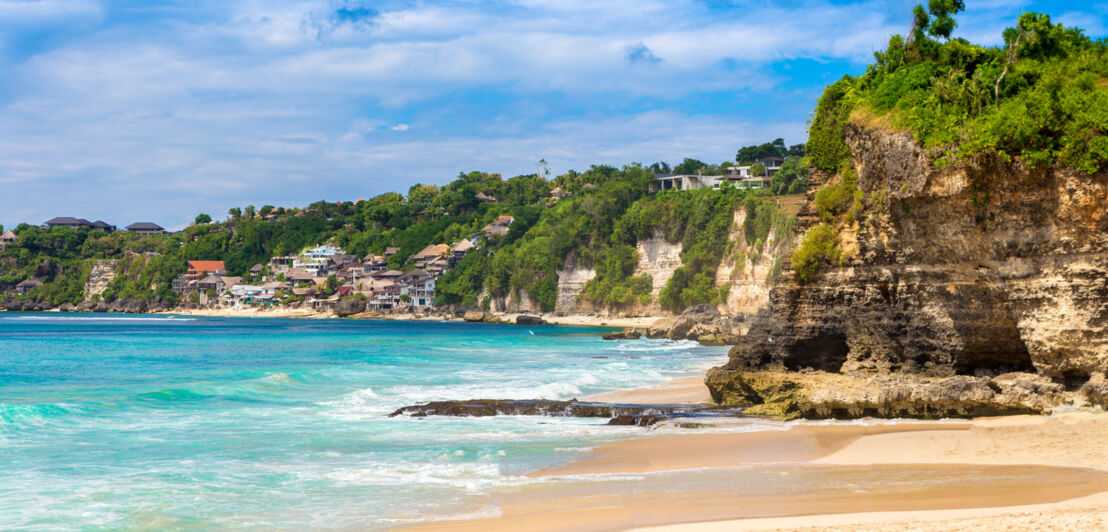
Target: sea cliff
[958,289]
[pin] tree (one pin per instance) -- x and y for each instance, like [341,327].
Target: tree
[202,219]
[249,211]
[235,213]
[660,168]
[689,166]
[758,170]
[943,24]
[265,210]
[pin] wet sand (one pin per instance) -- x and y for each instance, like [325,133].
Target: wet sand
[760,477]
[689,390]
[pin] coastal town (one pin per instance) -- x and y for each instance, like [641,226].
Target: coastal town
[322,276]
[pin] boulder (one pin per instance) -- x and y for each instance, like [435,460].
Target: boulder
[524,319]
[86,306]
[704,313]
[626,334]
[349,307]
[473,316]
[717,339]
[67,307]
[460,311]
[674,328]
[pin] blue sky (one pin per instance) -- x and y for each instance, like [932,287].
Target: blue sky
[146,110]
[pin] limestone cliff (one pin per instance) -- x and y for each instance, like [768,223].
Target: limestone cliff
[101,274]
[977,269]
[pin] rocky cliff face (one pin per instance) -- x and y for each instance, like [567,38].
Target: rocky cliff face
[100,276]
[659,259]
[975,270]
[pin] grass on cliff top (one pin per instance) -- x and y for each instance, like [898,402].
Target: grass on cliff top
[1041,98]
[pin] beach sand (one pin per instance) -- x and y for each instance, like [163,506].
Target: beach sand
[1012,473]
[579,320]
[688,390]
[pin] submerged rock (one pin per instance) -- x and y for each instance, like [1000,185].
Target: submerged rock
[524,319]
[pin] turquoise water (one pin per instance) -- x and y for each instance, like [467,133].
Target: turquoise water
[155,422]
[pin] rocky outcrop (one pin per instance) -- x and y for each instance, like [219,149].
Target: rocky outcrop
[571,280]
[618,414]
[658,258]
[100,277]
[349,307]
[524,319]
[473,316]
[953,272]
[819,395]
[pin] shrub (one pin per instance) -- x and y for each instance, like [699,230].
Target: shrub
[819,246]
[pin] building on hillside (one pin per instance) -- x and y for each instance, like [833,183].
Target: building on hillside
[460,250]
[390,251]
[297,276]
[199,268]
[145,228]
[772,165]
[481,196]
[387,274]
[257,269]
[319,252]
[375,263]
[439,266]
[499,227]
[8,238]
[103,226]
[66,221]
[279,265]
[314,266]
[25,286]
[421,291]
[430,253]
[558,193]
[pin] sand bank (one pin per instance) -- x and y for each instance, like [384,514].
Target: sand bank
[1016,473]
[282,312]
[689,390]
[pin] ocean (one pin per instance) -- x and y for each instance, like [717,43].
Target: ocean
[164,422]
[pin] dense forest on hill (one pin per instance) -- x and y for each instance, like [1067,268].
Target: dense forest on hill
[595,219]
[1041,99]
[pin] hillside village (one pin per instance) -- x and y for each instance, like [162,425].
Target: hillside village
[322,276]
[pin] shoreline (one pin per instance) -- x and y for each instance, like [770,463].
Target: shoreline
[1063,466]
[575,320]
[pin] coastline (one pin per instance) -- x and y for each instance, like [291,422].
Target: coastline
[575,320]
[1063,466]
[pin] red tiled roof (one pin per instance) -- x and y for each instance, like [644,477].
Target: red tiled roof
[206,265]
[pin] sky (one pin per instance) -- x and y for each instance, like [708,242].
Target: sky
[148,110]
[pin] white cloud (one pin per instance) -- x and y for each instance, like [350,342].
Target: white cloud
[400,127]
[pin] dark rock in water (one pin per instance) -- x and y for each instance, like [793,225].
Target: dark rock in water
[619,414]
[626,334]
[529,320]
[67,307]
[645,420]
[86,306]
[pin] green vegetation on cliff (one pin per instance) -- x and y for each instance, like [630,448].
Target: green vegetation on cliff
[1041,98]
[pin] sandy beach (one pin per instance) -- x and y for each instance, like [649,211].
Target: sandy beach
[1013,473]
[576,320]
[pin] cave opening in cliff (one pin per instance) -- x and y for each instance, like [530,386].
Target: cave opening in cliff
[990,362]
[825,352]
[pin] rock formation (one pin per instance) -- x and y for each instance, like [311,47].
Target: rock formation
[950,272]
